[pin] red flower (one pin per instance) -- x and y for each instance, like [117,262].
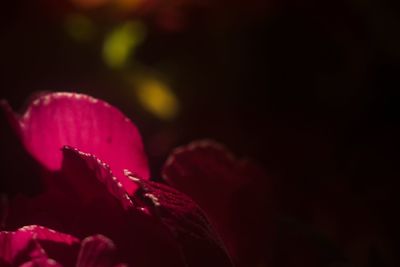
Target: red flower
[234,193]
[88,180]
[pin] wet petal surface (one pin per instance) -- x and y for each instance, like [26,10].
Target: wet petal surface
[232,192]
[55,120]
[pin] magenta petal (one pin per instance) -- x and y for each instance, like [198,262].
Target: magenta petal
[135,233]
[58,246]
[97,251]
[87,199]
[25,245]
[45,234]
[232,192]
[41,263]
[74,199]
[197,238]
[15,245]
[105,184]
[90,125]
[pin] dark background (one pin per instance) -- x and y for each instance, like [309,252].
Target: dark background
[308,89]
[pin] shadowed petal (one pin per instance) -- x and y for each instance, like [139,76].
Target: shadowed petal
[197,238]
[41,263]
[97,251]
[15,245]
[232,192]
[17,165]
[69,119]
[87,199]
[75,197]
[28,244]
[45,234]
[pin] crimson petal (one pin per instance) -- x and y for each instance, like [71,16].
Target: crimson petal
[58,119]
[135,233]
[17,245]
[87,199]
[74,198]
[41,263]
[25,246]
[45,234]
[97,251]
[197,238]
[234,193]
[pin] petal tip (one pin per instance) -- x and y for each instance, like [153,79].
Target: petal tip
[99,238]
[53,120]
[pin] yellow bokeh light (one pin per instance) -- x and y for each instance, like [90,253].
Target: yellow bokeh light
[157,98]
[120,43]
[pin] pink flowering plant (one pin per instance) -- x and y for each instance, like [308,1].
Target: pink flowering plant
[76,191]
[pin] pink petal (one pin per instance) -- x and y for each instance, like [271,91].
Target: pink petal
[200,243]
[87,199]
[232,192]
[45,234]
[41,263]
[90,125]
[15,244]
[76,162]
[25,245]
[97,251]
[74,199]
[59,246]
